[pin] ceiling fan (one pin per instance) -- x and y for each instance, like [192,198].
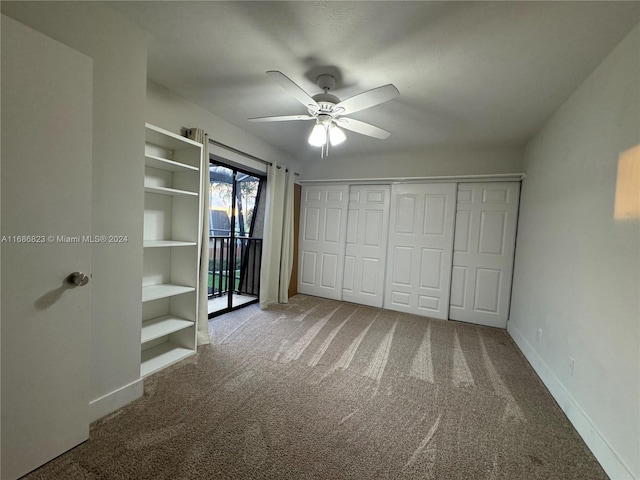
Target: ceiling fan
[328,110]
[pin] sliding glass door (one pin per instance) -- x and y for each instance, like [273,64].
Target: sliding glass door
[235,239]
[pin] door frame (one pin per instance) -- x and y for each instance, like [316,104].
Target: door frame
[230,271]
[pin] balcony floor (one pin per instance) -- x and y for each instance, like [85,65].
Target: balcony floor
[220,303]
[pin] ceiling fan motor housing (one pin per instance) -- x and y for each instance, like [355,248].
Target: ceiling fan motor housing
[325,100]
[326,82]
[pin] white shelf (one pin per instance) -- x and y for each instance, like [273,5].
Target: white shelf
[162,356]
[154,292]
[172,230]
[165,164]
[167,243]
[167,139]
[169,191]
[164,325]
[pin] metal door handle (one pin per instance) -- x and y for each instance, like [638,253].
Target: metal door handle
[78,279]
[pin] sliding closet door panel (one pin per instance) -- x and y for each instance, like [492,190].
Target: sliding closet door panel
[349,274]
[329,269]
[333,226]
[322,237]
[420,248]
[484,245]
[308,268]
[312,223]
[366,244]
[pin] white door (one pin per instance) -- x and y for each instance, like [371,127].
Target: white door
[484,245]
[323,222]
[420,248]
[46,208]
[366,248]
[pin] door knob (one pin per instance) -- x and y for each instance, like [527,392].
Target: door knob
[78,279]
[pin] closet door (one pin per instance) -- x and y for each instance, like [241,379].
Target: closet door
[484,245]
[420,248]
[366,248]
[323,213]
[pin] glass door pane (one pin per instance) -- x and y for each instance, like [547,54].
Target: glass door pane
[248,245]
[235,252]
[220,209]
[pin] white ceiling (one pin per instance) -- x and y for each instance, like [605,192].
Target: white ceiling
[469,73]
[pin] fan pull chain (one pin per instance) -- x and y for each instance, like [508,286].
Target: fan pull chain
[325,148]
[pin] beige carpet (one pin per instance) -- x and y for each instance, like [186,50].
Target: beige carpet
[319,389]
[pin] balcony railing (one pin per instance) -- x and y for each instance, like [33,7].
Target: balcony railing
[234,265]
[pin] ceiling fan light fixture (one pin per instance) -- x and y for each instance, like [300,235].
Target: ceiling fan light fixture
[336,135]
[318,136]
[327,109]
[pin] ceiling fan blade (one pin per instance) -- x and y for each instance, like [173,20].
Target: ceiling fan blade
[283,118]
[362,128]
[293,89]
[368,99]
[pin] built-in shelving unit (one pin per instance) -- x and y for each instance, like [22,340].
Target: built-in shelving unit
[172,228]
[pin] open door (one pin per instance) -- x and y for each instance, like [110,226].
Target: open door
[45,229]
[235,244]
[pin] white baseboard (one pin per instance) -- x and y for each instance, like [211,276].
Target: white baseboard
[612,464]
[111,402]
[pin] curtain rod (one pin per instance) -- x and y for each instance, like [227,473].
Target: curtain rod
[245,154]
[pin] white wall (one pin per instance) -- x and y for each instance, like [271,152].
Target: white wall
[577,268]
[173,112]
[118,50]
[420,163]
